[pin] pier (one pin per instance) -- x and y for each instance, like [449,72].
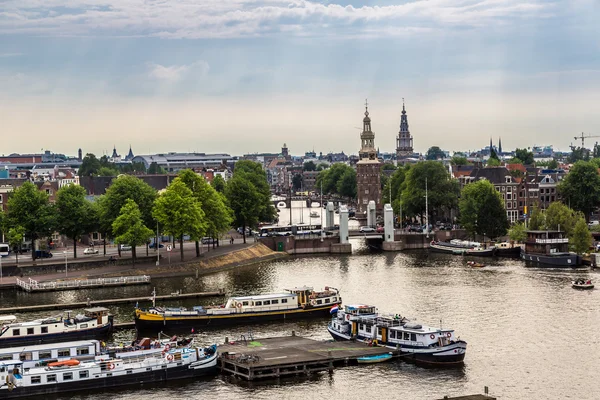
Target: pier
[50,286]
[290,355]
[107,302]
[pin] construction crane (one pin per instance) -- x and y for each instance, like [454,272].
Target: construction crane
[584,136]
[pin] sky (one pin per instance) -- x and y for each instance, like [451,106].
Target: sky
[246,76]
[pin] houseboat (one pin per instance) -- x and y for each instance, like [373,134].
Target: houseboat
[415,342]
[94,323]
[548,249]
[300,302]
[104,372]
[506,249]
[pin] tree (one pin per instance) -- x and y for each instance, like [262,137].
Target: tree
[553,164]
[347,185]
[154,169]
[442,191]
[254,173]
[89,165]
[129,227]
[108,171]
[245,201]
[296,182]
[388,167]
[180,213]
[322,166]
[482,210]
[396,181]
[537,220]
[518,233]
[435,153]
[525,156]
[578,154]
[218,183]
[459,161]
[581,239]
[581,188]
[29,208]
[331,179]
[560,217]
[15,237]
[309,166]
[493,162]
[74,213]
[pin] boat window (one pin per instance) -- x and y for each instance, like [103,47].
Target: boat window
[406,336]
[361,327]
[25,356]
[36,379]
[30,331]
[244,303]
[334,299]
[258,303]
[68,376]
[64,352]
[413,337]
[83,325]
[393,334]
[5,357]
[283,300]
[368,328]
[82,351]
[129,371]
[51,378]
[45,354]
[319,301]
[274,301]
[84,374]
[267,302]
[44,329]
[148,369]
[16,332]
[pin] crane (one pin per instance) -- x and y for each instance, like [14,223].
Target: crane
[584,136]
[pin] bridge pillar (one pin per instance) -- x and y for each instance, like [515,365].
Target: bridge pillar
[388,223]
[343,224]
[371,214]
[329,213]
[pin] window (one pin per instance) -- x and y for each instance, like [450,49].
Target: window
[49,192]
[44,329]
[413,337]
[83,351]
[45,354]
[148,369]
[83,325]
[25,356]
[5,357]
[366,191]
[508,205]
[379,331]
[406,336]
[508,196]
[503,188]
[68,376]
[274,301]
[129,371]
[334,299]
[30,331]
[64,352]
[16,332]
[266,302]
[319,301]
[368,328]
[36,380]
[51,378]
[244,303]
[393,334]
[258,303]
[0,199]
[284,300]
[361,327]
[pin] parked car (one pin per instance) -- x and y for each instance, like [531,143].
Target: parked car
[153,245]
[208,240]
[43,254]
[90,250]
[125,247]
[366,229]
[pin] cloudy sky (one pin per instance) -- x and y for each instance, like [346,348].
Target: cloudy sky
[241,76]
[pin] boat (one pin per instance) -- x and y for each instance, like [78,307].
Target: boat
[481,251]
[506,249]
[548,249]
[105,372]
[447,248]
[582,284]
[314,214]
[474,264]
[374,358]
[299,302]
[415,342]
[94,323]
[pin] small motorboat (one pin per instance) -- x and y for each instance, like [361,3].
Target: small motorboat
[583,284]
[374,359]
[474,264]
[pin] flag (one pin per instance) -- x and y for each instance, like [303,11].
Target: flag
[334,310]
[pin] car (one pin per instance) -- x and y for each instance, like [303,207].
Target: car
[153,245]
[208,240]
[125,247]
[90,250]
[43,254]
[366,229]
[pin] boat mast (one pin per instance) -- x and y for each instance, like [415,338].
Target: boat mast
[154,297]
[426,210]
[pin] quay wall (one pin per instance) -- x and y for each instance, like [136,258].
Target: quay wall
[292,245]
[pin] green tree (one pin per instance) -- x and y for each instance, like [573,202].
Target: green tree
[29,208]
[154,169]
[581,188]
[435,153]
[388,167]
[74,213]
[309,166]
[296,182]
[396,181]
[322,166]
[180,213]
[560,217]
[578,154]
[537,221]
[553,164]
[15,237]
[581,238]
[254,173]
[129,227]
[442,191]
[493,162]
[347,185]
[218,183]
[108,171]
[245,201]
[103,222]
[518,233]
[459,160]
[525,156]
[331,179]
[482,210]
[89,165]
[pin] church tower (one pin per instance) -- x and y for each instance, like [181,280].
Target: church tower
[368,177]
[404,141]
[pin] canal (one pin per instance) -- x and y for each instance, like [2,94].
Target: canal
[530,335]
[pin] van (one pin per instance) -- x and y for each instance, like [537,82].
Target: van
[43,254]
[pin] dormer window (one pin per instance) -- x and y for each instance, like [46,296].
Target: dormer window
[508,179]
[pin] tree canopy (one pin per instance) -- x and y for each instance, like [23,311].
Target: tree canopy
[254,173]
[524,156]
[518,232]
[218,183]
[309,166]
[482,210]
[459,160]
[338,179]
[581,187]
[581,238]
[89,165]
[75,214]
[129,227]
[245,201]
[435,153]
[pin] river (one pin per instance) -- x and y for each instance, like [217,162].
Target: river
[530,335]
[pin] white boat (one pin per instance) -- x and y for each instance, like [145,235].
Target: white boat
[314,214]
[582,284]
[415,342]
[104,372]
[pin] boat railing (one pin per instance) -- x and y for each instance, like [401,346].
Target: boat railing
[33,285]
[551,241]
[138,359]
[381,321]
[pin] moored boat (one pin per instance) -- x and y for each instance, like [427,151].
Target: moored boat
[548,249]
[582,284]
[94,323]
[415,342]
[481,251]
[447,248]
[377,358]
[300,302]
[506,249]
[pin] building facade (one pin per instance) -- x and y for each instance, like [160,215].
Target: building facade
[368,169]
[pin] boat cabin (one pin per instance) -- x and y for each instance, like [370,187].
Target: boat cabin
[546,243]
[39,355]
[264,302]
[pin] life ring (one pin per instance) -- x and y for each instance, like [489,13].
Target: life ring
[432,336]
[239,305]
[313,302]
[170,357]
[448,334]
[347,317]
[167,347]
[110,366]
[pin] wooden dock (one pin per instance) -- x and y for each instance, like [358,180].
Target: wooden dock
[290,355]
[90,303]
[52,286]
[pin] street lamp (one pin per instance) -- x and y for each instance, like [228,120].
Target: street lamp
[0,269]
[65,253]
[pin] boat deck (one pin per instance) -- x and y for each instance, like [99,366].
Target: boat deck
[290,355]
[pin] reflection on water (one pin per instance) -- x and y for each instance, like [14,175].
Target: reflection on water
[530,335]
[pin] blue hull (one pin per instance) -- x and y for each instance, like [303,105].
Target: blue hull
[558,261]
[32,340]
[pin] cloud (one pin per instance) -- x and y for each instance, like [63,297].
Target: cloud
[176,73]
[256,18]
[2,55]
